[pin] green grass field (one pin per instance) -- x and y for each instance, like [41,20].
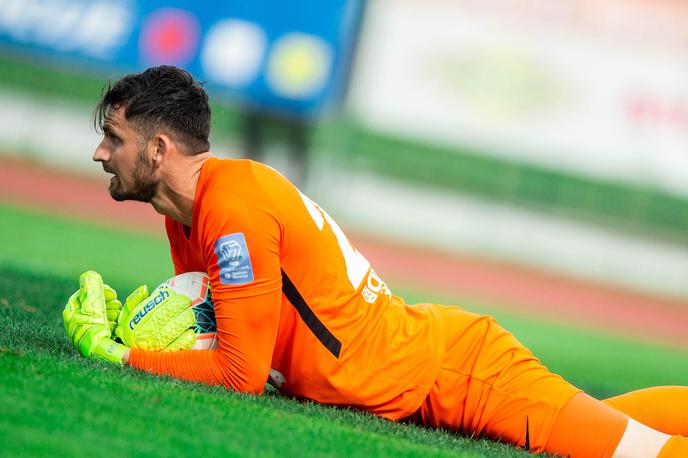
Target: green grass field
[52,400]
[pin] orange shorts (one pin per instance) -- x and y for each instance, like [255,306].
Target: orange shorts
[490,385]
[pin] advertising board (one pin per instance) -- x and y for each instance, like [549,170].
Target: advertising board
[289,57]
[584,87]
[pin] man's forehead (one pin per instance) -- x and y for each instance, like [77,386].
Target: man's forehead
[114,117]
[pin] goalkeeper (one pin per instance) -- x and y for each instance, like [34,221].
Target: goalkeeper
[297,304]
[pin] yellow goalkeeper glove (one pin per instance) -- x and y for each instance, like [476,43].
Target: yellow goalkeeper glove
[86,321]
[160,321]
[112,307]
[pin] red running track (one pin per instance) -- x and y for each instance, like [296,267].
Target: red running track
[508,286]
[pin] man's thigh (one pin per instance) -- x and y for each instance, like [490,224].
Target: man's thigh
[491,385]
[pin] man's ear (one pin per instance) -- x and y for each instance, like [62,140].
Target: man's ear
[163,147]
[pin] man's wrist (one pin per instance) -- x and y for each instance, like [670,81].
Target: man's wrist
[110,351]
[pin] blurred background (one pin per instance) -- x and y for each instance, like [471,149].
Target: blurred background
[545,137]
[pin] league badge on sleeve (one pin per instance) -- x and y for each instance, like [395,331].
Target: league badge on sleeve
[233,259]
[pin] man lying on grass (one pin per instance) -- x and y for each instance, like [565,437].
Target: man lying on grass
[296,303]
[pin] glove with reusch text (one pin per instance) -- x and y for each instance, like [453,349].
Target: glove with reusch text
[160,321]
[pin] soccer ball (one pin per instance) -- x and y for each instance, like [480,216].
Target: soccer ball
[196,285]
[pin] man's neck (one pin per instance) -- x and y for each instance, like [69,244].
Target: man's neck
[177,188]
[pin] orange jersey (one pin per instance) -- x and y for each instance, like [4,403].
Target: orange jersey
[294,301]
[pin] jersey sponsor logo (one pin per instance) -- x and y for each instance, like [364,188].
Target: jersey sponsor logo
[161,296]
[374,287]
[233,259]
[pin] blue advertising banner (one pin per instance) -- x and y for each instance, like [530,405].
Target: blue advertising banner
[283,56]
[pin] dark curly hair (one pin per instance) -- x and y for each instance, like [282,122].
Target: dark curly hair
[161,98]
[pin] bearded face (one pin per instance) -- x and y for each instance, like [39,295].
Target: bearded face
[124,152]
[140,185]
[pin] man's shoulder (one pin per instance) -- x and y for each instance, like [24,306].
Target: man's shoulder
[239,189]
[218,168]
[240,178]
[230,172]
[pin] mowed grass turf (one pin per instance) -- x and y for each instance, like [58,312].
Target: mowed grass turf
[52,401]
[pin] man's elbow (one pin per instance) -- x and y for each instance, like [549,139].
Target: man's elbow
[250,383]
[252,388]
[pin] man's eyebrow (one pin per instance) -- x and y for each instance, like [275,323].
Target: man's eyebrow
[108,129]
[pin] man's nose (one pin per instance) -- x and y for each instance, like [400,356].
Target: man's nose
[100,155]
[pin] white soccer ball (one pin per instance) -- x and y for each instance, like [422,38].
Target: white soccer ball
[196,285]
